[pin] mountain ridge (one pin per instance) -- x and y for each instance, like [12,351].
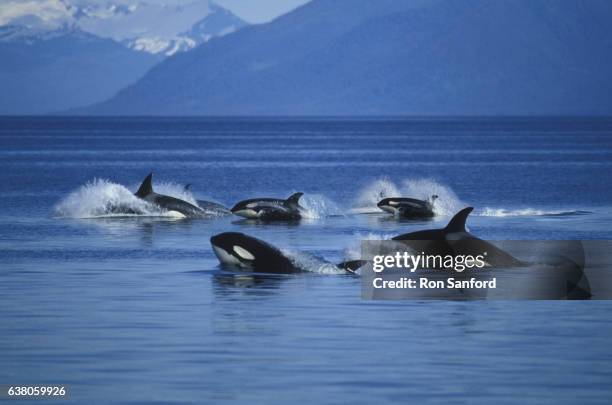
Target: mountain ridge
[140,25]
[468,57]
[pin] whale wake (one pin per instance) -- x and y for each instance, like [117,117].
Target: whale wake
[530,212]
[101,198]
[318,206]
[311,263]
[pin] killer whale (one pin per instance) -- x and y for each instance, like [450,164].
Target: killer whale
[248,253]
[145,192]
[270,209]
[411,208]
[454,239]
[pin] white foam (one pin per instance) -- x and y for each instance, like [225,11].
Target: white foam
[371,194]
[311,263]
[527,212]
[102,198]
[318,206]
[97,198]
[448,203]
[353,250]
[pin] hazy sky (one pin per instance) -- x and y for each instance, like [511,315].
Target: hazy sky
[256,11]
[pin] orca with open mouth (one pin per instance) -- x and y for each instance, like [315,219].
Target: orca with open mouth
[252,254]
[270,209]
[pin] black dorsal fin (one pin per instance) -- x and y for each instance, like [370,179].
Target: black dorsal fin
[294,199]
[146,187]
[457,224]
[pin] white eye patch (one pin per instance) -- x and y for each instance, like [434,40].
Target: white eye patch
[393,203]
[243,253]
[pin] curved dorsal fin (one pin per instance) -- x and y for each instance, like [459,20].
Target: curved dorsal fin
[294,199]
[146,187]
[457,223]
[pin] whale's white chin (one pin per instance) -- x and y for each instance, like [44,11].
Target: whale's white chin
[226,258]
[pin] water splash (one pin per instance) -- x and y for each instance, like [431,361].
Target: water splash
[448,203]
[311,263]
[353,250]
[100,198]
[318,206]
[371,194]
[529,212]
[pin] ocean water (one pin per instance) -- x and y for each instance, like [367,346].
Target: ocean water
[137,309]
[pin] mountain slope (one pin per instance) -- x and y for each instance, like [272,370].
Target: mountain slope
[50,71]
[388,57]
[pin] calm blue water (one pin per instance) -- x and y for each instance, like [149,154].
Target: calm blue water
[136,308]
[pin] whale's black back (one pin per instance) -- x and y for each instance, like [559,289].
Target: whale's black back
[145,192]
[454,239]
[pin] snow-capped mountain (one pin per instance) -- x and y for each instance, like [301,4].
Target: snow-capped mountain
[217,22]
[142,25]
